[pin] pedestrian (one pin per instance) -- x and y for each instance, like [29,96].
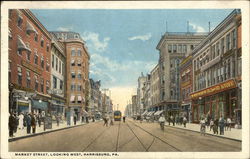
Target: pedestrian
[28,123]
[75,117]
[24,119]
[173,120]
[124,118]
[58,119]
[203,126]
[21,117]
[177,120]
[147,118]
[229,122]
[169,120]
[181,120]
[111,121]
[87,119]
[16,122]
[215,127]
[221,125]
[12,121]
[162,121]
[211,124]
[33,123]
[184,121]
[93,119]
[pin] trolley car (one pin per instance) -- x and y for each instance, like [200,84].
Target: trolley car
[117,115]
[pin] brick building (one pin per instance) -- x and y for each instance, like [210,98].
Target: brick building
[29,62]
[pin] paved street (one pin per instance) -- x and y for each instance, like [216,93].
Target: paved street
[123,137]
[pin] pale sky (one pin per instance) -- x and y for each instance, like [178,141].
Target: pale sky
[122,43]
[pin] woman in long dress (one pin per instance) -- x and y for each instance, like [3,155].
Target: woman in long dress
[21,117]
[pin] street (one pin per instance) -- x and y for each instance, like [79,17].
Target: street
[131,136]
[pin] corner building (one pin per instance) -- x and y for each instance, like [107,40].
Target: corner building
[217,72]
[77,72]
[29,63]
[173,47]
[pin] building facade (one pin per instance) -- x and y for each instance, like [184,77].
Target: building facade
[147,93]
[141,83]
[216,80]
[58,63]
[155,89]
[77,71]
[29,63]
[173,47]
[135,108]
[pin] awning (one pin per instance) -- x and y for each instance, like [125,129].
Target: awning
[159,112]
[30,28]
[21,45]
[72,61]
[72,98]
[79,98]
[37,105]
[144,113]
[150,113]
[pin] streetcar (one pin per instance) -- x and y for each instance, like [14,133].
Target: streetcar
[117,115]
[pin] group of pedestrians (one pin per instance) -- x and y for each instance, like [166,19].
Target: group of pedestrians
[22,121]
[178,120]
[218,125]
[106,121]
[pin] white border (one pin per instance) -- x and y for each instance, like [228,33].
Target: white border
[243,5]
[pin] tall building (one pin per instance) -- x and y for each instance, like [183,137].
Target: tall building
[173,47]
[216,76]
[155,89]
[135,108]
[29,63]
[94,95]
[77,71]
[58,63]
[141,83]
[147,93]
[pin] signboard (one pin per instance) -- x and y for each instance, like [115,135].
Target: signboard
[48,122]
[215,89]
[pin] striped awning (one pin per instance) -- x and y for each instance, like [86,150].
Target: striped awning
[72,98]
[21,45]
[79,98]
[31,28]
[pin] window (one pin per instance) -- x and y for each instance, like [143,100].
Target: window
[222,46]
[47,65]
[19,21]
[36,59]
[234,38]
[56,63]
[42,42]
[79,63]
[79,52]
[229,68]
[42,62]
[28,55]
[63,69]
[47,87]
[72,62]
[169,48]
[19,77]
[191,47]
[79,87]
[54,82]
[185,48]
[73,52]
[174,48]
[213,51]
[79,76]
[36,83]
[28,79]
[217,49]
[61,85]
[180,48]
[36,37]
[28,32]
[73,87]
[73,75]
[47,48]
[60,69]
[53,58]
[195,65]
[42,85]
[228,42]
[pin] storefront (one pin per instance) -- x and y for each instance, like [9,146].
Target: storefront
[216,101]
[23,106]
[186,111]
[39,106]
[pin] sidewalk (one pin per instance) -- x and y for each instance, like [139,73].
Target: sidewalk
[234,134]
[22,133]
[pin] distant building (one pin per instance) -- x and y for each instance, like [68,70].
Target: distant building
[173,48]
[135,108]
[29,62]
[94,95]
[216,72]
[147,93]
[155,89]
[140,104]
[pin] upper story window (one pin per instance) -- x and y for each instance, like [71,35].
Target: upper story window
[19,20]
[47,47]
[36,58]
[73,52]
[36,83]
[42,62]
[228,42]
[222,46]
[42,42]
[213,51]
[53,60]
[60,68]
[174,48]
[19,75]
[79,52]
[73,75]
[234,38]
[217,49]
[47,65]
[10,13]
[72,62]
[79,63]
[54,82]
[28,79]
[185,48]
[180,48]
[36,37]
[191,47]
[169,48]
[47,87]
[79,76]
[61,85]
[42,85]
[56,63]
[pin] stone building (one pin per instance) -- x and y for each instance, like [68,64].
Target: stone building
[147,94]
[135,108]
[29,63]
[95,95]
[216,76]
[77,71]
[141,83]
[173,47]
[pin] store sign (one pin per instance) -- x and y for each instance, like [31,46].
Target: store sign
[31,67]
[23,104]
[215,89]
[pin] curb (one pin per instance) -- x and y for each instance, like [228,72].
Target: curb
[206,133]
[45,132]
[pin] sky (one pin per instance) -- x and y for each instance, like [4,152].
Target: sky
[122,43]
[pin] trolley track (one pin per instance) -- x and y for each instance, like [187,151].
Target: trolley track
[117,140]
[154,138]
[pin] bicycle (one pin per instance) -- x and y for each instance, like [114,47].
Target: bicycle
[162,125]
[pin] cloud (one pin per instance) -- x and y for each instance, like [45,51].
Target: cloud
[141,37]
[65,28]
[197,28]
[94,41]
